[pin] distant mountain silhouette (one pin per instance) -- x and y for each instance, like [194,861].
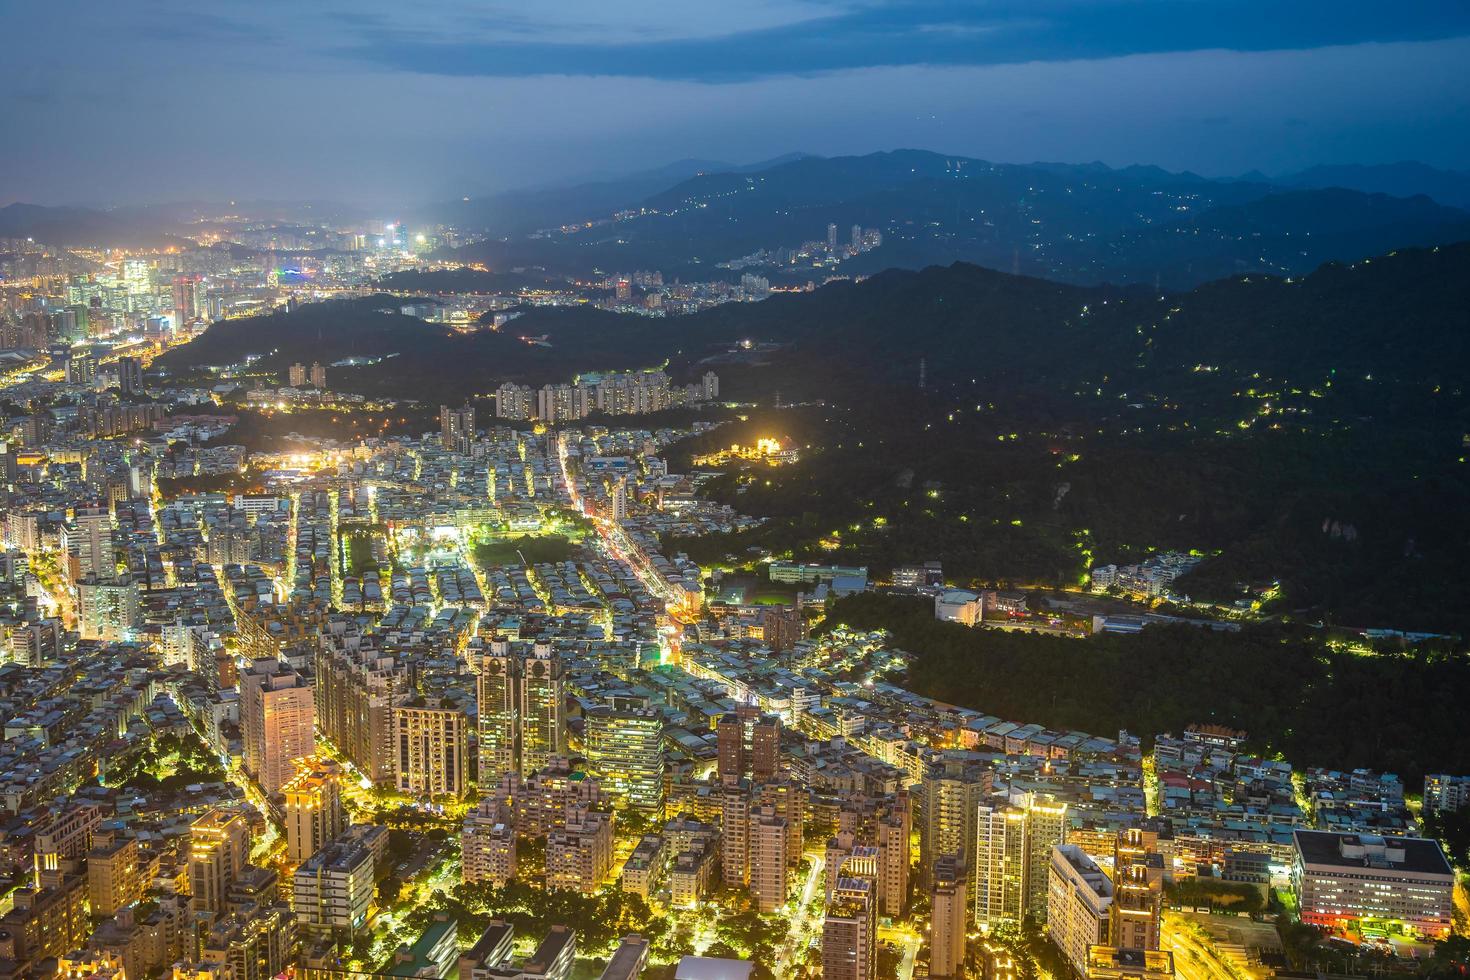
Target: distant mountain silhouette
[1083,223]
[1403,179]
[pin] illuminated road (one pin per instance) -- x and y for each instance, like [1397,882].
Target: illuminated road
[802,922]
[1192,960]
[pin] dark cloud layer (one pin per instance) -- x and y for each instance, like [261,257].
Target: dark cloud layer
[379,102]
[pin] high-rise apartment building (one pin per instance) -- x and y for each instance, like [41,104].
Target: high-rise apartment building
[108,609]
[522,710]
[579,857]
[113,876]
[456,425]
[949,797]
[488,846]
[94,543]
[769,839]
[730,746]
[1136,915]
[432,746]
[317,376]
[219,847]
[624,744]
[1078,904]
[277,722]
[850,930]
[129,375]
[296,375]
[765,748]
[735,809]
[333,890]
[314,815]
[1012,856]
[949,918]
[356,686]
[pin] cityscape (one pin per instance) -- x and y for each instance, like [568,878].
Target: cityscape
[863,563]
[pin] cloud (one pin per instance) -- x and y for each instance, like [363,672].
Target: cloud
[912,32]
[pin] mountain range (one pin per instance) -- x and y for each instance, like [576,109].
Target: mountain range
[1072,223]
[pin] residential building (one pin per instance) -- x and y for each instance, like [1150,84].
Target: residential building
[219,847]
[313,804]
[625,752]
[277,722]
[949,918]
[1012,858]
[1078,905]
[432,739]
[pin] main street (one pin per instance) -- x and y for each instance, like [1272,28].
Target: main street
[798,935]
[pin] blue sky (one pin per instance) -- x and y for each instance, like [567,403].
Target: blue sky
[390,103]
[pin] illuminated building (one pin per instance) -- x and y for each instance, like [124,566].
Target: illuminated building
[277,719]
[356,685]
[318,376]
[513,401]
[108,610]
[1136,916]
[730,746]
[1111,963]
[579,856]
[948,918]
[1344,879]
[332,891]
[296,375]
[456,425]
[625,751]
[850,929]
[113,877]
[432,740]
[1445,792]
[94,543]
[218,849]
[1078,904]
[735,832]
[950,794]
[645,866]
[488,847]
[765,748]
[314,816]
[522,711]
[1012,856]
[769,841]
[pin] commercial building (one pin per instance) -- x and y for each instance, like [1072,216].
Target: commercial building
[1342,879]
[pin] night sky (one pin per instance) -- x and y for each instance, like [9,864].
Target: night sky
[385,104]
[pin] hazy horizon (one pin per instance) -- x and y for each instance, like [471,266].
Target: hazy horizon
[375,105]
